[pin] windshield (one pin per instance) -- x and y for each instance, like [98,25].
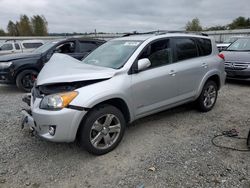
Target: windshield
[45,47]
[231,40]
[240,45]
[112,54]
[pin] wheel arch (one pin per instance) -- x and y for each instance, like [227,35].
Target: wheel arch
[116,102]
[24,69]
[214,76]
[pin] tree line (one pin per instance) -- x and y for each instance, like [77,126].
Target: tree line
[34,26]
[238,23]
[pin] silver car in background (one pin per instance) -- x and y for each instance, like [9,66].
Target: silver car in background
[123,80]
[223,46]
[237,59]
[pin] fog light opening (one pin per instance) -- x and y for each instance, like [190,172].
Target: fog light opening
[52,130]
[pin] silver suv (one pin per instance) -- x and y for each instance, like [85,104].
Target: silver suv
[123,80]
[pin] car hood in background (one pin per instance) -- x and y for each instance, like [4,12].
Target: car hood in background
[11,57]
[63,68]
[223,44]
[237,56]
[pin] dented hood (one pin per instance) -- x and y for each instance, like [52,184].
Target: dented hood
[63,68]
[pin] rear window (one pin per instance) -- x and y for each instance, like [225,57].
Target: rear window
[205,46]
[32,45]
[185,48]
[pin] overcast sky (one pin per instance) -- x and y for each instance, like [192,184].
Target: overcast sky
[124,15]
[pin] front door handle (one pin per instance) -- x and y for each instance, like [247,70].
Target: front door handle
[204,65]
[172,73]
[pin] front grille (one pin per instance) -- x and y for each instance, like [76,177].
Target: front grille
[35,93]
[236,65]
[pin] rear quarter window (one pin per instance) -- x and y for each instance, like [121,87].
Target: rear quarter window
[205,46]
[32,45]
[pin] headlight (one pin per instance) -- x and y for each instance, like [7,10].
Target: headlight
[5,65]
[57,101]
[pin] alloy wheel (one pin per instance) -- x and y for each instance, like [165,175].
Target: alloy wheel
[105,131]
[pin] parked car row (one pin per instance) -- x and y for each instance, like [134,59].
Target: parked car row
[237,59]
[92,100]
[13,46]
[22,69]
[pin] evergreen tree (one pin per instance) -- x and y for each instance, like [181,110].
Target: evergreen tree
[11,28]
[240,23]
[39,25]
[25,28]
[2,33]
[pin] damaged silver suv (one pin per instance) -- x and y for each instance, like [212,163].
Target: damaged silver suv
[125,79]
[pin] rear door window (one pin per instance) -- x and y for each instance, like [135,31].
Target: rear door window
[185,48]
[87,46]
[17,46]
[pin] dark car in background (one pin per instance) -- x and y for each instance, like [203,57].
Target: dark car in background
[237,59]
[22,69]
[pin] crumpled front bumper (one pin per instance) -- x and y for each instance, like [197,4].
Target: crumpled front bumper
[66,122]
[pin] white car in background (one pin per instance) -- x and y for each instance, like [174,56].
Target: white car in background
[13,46]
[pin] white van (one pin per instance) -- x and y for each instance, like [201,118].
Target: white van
[19,46]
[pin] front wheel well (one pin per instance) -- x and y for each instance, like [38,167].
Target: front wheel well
[120,104]
[116,102]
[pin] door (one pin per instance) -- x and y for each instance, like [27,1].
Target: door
[155,87]
[189,66]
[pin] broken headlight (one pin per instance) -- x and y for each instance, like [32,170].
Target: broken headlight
[57,101]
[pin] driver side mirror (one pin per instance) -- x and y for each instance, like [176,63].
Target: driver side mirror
[143,64]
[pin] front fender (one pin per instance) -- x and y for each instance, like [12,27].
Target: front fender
[91,101]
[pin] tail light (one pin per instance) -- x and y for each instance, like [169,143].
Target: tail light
[221,55]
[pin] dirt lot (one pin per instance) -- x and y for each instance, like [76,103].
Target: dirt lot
[177,143]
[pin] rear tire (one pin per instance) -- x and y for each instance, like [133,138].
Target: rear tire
[208,96]
[25,80]
[102,129]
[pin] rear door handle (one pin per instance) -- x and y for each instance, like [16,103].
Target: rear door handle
[204,65]
[172,73]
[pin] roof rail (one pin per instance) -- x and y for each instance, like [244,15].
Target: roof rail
[162,32]
[14,40]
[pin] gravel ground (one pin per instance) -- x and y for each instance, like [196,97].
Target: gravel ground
[174,144]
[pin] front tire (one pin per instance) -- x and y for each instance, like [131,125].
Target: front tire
[102,130]
[208,96]
[25,80]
